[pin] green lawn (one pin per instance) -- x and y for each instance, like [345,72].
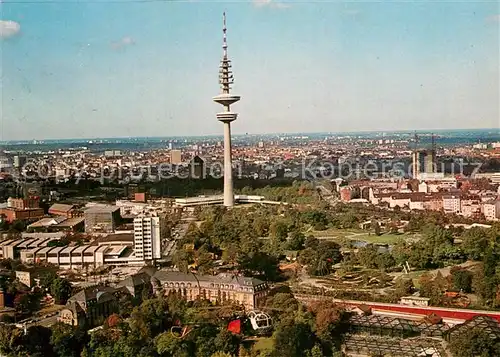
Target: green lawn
[263,344]
[386,238]
[334,232]
[358,234]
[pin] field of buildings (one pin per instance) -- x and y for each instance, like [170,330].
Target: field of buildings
[131,238]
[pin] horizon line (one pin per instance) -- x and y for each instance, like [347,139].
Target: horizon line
[409,131]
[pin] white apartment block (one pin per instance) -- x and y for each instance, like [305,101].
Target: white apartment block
[423,187]
[469,208]
[417,204]
[147,240]
[491,210]
[451,204]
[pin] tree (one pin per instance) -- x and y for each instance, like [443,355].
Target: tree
[307,256]
[462,280]
[293,339]
[328,316]
[168,345]
[150,318]
[193,233]
[329,251]
[222,354]
[4,224]
[243,352]
[10,339]
[226,342]
[296,241]
[36,342]
[22,303]
[311,242]
[182,259]
[281,304]
[67,341]
[385,261]
[230,254]
[367,256]
[316,351]
[403,287]
[204,261]
[261,226]
[475,242]
[279,231]
[18,226]
[259,264]
[203,339]
[376,228]
[61,290]
[474,343]
[430,289]
[113,320]
[125,305]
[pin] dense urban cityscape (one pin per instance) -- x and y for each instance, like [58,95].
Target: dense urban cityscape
[363,243]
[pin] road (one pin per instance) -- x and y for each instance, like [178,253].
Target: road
[170,246]
[169,249]
[45,322]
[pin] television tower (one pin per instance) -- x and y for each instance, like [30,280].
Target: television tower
[226,116]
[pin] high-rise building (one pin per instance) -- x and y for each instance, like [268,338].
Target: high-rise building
[226,116]
[102,219]
[423,160]
[5,164]
[20,203]
[175,157]
[19,161]
[197,168]
[112,153]
[430,162]
[147,240]
[418,157]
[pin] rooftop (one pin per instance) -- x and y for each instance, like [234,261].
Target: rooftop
[71,222]
[121,237]
[102,209]
[49,221]
[61,207]
[163,275]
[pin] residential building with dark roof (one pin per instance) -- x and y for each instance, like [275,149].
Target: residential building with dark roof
[137,284]
[89,307]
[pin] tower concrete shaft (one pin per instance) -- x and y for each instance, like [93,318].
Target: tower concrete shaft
[228,167]
[226,116]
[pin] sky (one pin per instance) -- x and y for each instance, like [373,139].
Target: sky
[126,68]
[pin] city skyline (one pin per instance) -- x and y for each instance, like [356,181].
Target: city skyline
[348,67]
[492,134]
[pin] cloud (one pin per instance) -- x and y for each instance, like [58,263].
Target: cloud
[124,42]
[494,18]
[9,28]
[271,4]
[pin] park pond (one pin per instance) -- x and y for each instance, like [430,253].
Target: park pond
[382,248]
